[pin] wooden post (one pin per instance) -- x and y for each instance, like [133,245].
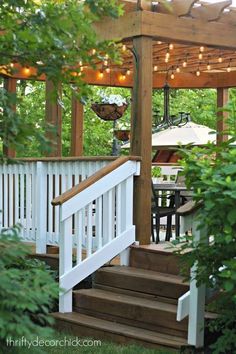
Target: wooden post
[10,86]
[222,99]
[77,120]
[141,136]
[54,118]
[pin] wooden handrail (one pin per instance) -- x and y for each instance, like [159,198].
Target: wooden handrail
[65,159]
[92,179]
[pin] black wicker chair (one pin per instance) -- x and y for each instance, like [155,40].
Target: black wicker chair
[161,211]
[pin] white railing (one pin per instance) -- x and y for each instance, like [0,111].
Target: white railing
[168,171]
[27,187]
[107,197]
[192,303]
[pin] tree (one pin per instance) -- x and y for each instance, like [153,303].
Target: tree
[56,38]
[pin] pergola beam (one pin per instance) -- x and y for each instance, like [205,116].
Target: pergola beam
[157,25]
[187,30]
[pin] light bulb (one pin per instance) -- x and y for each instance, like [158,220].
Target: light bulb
[108,70]
[26,70]
[122,77]
[166,59]
[178,69]
[105,63]
[106,57]
[201,49]
[159,42]
[82,68]
[220,59]
[124,47]
[155,68]
[198,73]
[101,74]
[93,51]
[12,65]
[228,69]
[80,63]
[171,46]
[167,55]
[200,56]
[128,72]
[184,64]
[208,66]
[172,76]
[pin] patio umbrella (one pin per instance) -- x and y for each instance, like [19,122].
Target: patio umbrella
[175,135]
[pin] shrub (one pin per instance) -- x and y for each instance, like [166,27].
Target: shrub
[211,172]
[27,291]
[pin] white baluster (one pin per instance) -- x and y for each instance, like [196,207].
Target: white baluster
[65,299]
[41,200]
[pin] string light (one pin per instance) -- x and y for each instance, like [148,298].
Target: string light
[201,49]
[167,54]
[220,59]
[208,66]
[155,68]
[100,74]
[93,51]
[171,46]
[12,65]
[229,66]
[198,73]
[178,69]
[128,72]
[106,57]
[82,68]
[185,61]
[105,63]
[124,47]
[26,70]
[80,63]
[172,76]
[159,42]
[108,70]
[122,77]
[200,55]
[166,59]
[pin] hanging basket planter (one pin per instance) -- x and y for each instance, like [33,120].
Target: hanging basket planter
[107,111]
[123,135]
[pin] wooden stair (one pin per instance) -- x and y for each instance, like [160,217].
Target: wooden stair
[135,304]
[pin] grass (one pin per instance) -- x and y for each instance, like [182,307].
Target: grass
[100,348]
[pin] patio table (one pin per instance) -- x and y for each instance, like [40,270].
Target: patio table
[176,188]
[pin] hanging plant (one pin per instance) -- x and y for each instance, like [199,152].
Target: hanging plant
[111,107]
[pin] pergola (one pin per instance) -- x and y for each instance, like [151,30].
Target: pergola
[190,43]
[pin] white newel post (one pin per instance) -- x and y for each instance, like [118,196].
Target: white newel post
[41,207]
[196,302]
[65,253]
[126,215]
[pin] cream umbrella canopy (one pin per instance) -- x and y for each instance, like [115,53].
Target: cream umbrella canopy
[190,133]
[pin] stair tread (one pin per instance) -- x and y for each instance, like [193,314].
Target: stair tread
[130,300]
[150,274]
[46,255]
[117,328]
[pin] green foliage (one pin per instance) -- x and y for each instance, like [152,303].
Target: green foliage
[201,104]
[53,37]
[27,291]
[211,172]
[156,172]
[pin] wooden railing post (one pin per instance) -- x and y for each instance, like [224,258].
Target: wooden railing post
[41,207]
[141,135]
[196,301]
